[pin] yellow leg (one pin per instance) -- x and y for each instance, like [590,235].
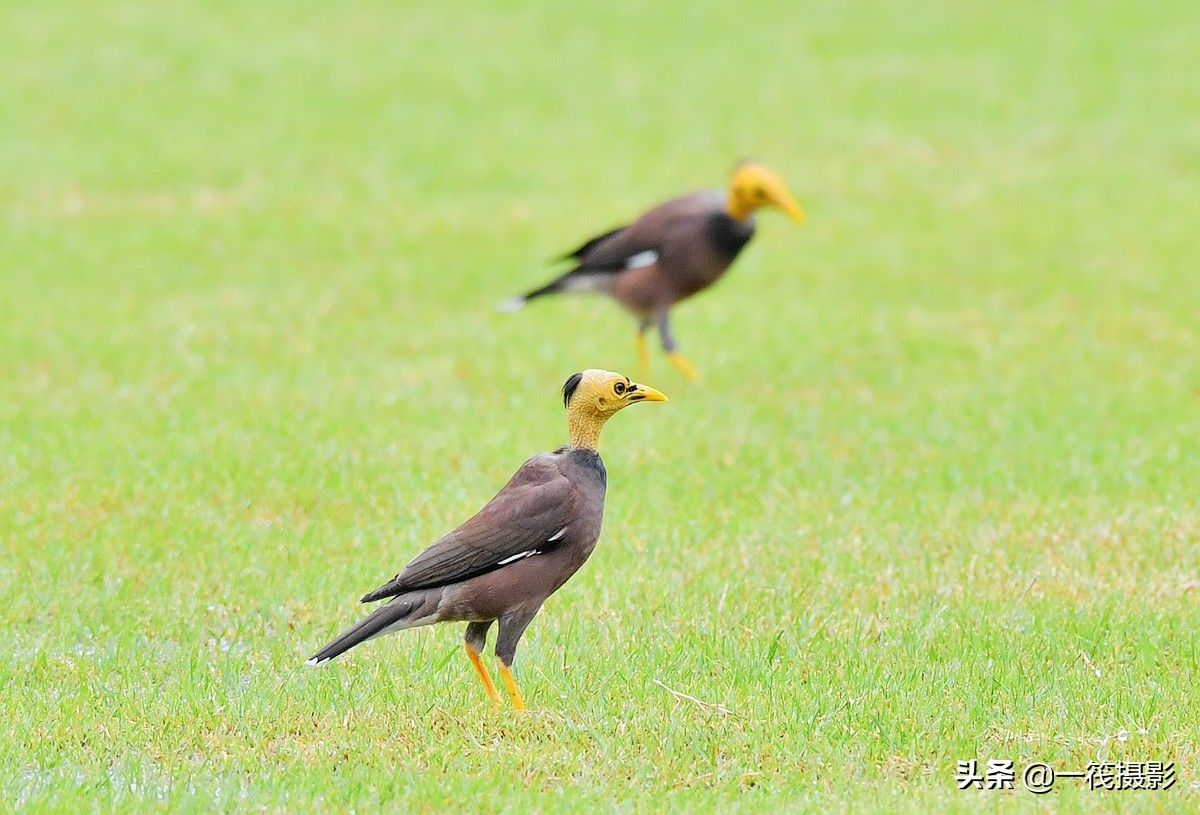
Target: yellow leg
[643,353]
[484,676]
[511,683]
[680,362]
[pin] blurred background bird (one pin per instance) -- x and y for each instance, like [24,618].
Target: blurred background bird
[504,562]
[671,252]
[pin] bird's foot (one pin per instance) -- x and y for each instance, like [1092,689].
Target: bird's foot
[510,682]
[688,369]
[643,353]
[484,676]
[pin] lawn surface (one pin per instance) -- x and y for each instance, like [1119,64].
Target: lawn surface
[937,499]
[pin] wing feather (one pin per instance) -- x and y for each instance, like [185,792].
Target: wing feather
[534,506]
[652,232]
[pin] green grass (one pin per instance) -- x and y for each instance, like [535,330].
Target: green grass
[936,501]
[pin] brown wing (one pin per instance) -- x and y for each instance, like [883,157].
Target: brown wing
[658,233]
[525,516]
[651,233]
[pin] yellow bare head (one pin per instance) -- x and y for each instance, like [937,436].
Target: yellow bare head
[753,186]
[592,396]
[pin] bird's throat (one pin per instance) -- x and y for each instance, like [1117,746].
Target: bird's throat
[736,206]
[583,427]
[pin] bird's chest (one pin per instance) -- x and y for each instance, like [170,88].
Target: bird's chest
[699,275]
[567,561]
[526,583]
[725,237]
[698,269]
[701,263]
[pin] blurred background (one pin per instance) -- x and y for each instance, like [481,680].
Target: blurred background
[250,361]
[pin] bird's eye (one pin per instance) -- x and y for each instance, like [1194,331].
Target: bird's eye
[619,388]
[760,193]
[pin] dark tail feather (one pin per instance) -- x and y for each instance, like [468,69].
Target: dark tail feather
[515,303]
[388,589]
[550,288]
[374,624]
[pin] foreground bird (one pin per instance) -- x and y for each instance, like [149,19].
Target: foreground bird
[504,562]
[670,253]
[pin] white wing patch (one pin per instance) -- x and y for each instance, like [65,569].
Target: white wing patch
[641,259]
[518,556]
[532,552]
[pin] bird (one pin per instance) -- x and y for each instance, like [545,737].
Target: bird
[670,253]
[501,564]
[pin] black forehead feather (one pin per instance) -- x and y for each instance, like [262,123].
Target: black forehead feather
[570,386]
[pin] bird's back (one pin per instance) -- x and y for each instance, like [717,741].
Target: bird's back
[531,573]
[694,242]
[651,230]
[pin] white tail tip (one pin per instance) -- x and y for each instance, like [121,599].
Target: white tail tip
[511,304]
[312,661]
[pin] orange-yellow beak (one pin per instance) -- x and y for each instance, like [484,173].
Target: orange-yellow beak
[782,199]
[645,393]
